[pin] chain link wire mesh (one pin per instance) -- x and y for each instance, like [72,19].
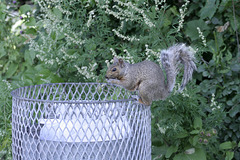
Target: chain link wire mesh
[79,121]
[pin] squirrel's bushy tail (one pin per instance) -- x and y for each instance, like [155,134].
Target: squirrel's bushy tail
[171,58]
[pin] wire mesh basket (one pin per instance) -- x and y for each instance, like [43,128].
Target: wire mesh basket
[79,121]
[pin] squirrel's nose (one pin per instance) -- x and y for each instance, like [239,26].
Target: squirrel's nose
[106,77]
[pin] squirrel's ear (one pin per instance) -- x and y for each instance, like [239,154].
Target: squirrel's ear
[121,62]
[115,59]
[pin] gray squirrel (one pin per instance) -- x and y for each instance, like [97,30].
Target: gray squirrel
[147,77]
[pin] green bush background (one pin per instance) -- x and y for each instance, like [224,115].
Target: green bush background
[50,42]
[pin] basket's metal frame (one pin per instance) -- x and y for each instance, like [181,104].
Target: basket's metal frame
[90,121]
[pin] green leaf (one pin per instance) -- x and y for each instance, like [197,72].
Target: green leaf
[2,51]
[199,154]
[53,35]
[234,144]
[166,22]
[182,134]
[91,46]
[239,144]
[194,132]
[201,68]
[209,9]
[57,13]
[29,57]
[11,70]
[195,140]
[191,30]
[229,56]
[25,8]
[224,71]
[234,111]
[174,10]
[159,150]
[30,31]
[223,5]
[180,156]
[234,127]
[71,51]
[226,145]
[60,36]
[31,21]
[229,155]
[13,56]
[205,74]
[235,67]
[197,123]
[2,6]
[55,78]
[171,150]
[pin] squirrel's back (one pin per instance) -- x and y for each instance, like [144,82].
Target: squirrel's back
[146,70]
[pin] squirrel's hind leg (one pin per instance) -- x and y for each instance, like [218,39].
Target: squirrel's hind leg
[145,93]
[139,99]
[144,101]
[144,98]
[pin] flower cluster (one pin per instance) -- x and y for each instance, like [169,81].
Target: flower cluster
[202,37]
[127,58]
[67,56]
[149,52]
[130,6]
[214,103]
[74,38]
[126,12]
[49,47]
[113,52]
[87,71]
[133,38]
[161,129]
[157,3]
[117,32]
[45,5]
[64,11]
[91,15]
[182,11]
[8,84]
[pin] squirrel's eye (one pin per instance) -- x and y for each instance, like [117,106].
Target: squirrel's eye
[114,69]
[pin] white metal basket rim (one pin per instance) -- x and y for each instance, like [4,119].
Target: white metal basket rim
[14,95]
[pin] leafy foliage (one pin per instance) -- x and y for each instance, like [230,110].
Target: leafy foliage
[5,120]
[79,43]
[219,67]
[17,63]
[182,128]
[9,50]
